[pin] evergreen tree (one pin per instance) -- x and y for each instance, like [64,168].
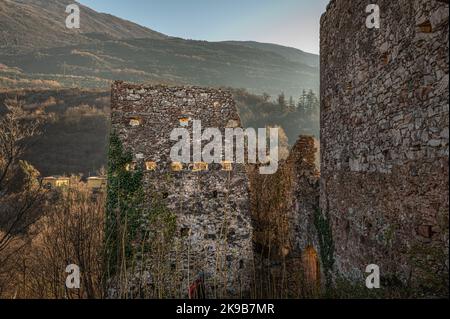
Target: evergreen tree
[312,103]
[282,100]
[291,104]
[301,105]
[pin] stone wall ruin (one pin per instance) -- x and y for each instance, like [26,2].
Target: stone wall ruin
[384,140]
[285,237]
[210,201]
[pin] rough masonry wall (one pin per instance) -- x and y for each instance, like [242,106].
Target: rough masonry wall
[283,207]
[212,206]
[385,131]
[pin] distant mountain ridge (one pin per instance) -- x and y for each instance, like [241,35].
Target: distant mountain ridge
[26,24]
[36,49]
[292,54]
[37,52]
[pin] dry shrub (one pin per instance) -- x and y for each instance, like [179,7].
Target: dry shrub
[71,232]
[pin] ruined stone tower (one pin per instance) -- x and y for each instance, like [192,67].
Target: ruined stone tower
[286,241]
[385,132]
[210,201]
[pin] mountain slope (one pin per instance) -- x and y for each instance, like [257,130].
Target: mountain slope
[291,54]
[173,61]
[28,24]
[107,48]
[38,52]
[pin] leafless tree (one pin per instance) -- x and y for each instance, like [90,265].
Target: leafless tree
[71,232]
[21,194]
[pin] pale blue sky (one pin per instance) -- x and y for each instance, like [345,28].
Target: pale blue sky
[292,23]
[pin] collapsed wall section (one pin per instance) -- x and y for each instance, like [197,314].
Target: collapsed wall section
[283,210]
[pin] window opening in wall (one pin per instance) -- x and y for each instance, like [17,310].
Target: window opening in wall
[184,121]
[311,267]
[176,166]
[135,121]
[150,166]
[130,167]
[227,166]
[426,27]
[199,166]
[385,58]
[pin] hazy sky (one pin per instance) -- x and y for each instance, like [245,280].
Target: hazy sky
[292,23]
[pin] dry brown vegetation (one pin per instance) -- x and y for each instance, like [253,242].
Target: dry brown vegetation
[74,137]
[20,192]
[42,231]
[69,232]
[66,227]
